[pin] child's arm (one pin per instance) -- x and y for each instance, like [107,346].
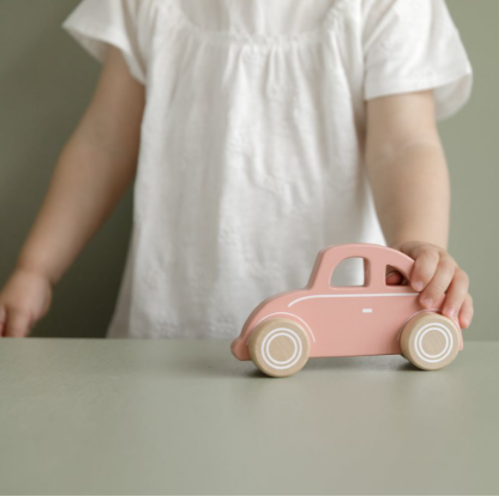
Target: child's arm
[93,171]
[409,177]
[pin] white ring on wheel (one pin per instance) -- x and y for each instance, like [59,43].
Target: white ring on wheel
[273,338]
[433,358]
[273,335]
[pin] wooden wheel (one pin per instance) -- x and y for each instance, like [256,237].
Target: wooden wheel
[430,341]
[279,347]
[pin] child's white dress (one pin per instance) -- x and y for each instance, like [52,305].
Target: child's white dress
[252,140]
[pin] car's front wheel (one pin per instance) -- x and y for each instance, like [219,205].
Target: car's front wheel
[279,347]
[430,341]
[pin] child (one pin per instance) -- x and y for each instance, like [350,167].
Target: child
[263,132]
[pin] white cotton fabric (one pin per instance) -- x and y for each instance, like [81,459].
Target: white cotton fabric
[252,139]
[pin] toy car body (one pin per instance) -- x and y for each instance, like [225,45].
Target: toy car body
[348,320]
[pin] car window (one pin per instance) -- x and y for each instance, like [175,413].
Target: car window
[354,271]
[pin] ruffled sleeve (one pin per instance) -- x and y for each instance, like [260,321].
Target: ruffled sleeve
[125,24]
[413,45]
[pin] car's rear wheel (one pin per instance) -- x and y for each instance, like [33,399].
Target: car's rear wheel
[430,341]
[279,347]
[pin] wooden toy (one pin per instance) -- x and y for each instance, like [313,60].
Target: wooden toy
[322,320]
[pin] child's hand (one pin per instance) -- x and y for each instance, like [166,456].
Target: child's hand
[25,299]
[435,274]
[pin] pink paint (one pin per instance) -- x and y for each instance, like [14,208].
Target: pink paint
[345,321]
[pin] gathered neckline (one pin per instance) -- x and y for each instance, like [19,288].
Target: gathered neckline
[255,40]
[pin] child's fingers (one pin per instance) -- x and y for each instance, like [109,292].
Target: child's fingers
[18,324]
[394,278]
[424,269]
[466,313]
[3,319]
[438,285]
[455,296]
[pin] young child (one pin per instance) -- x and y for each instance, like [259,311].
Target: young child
[258,132]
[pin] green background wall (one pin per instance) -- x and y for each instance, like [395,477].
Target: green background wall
[46,80]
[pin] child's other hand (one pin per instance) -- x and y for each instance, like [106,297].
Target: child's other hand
[24,300]
[436,274]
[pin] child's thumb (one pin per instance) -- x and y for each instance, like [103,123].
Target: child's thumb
[394,278]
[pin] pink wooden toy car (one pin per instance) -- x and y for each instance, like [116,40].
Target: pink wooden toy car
[322,320]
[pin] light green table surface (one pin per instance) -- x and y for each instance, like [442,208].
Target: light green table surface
[178,417]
